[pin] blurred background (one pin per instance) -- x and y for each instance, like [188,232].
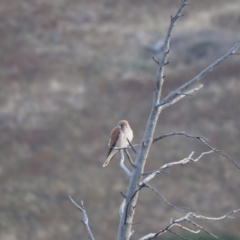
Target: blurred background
[69,71]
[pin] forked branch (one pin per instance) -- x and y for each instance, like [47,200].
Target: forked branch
[128,206]
[166,50]
[172,95]
[122,164]
[200,138]
[128,211]
[183,209]
[182,95]
[85,217]
[188,218]
[186,160]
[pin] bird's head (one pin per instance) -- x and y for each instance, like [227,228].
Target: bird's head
[123,124]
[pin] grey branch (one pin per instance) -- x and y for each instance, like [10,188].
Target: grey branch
[129,157]
[188,218]
[203,140]
[178,235]
[227,215]
[128,147]
[186,160]
[177,133]
[166,51]
[201,228]
[165,200]
[85,217]
[122,164]
[132,147]
[122,207]
[172,95]
[169,226]
[182,95]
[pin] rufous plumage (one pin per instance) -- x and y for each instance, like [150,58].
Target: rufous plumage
[119,138]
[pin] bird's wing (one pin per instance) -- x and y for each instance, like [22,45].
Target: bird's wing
[112,143]
[114,136]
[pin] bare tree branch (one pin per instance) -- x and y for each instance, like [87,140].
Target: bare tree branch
[166,51]
[177,133]
[132,147]
[85,217]
[124,230]
[122,164]
[189,159]
[187,218]
[203,140]
[178,235]
[183,209]
[201,228]
[182,95]
[129,158]
[169,226]
[172,95]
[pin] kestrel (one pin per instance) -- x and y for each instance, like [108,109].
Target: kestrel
[118,138]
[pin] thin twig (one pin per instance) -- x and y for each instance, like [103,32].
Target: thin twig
[187,218]
[129,158]
[160,171]
[166,50]
[201,228]
[183,209]
[132,147]
[178,235]
[85,217]
[177,133]
[203,140]
[132,197]
[172,95]
[186,160]
[182,95]
[169,226]
[227,215]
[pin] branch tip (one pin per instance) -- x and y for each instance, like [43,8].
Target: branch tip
[123,195]
[155,60]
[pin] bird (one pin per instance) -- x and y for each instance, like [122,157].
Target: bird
[119,138]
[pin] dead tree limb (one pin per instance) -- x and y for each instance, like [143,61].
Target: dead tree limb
[85,217]
[128,206]
[125,229]
[126,218]
[188,218]
[200,138]
[186,160]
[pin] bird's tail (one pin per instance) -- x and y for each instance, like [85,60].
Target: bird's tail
[109,157]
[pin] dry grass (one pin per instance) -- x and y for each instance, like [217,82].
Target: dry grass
[69,71]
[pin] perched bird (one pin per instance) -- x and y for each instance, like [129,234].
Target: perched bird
[118,138]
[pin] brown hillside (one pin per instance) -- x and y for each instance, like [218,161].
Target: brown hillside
[69,70]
